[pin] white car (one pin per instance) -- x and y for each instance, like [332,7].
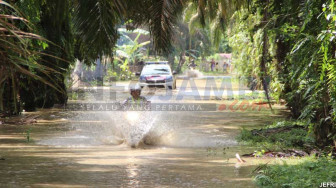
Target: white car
[155,75]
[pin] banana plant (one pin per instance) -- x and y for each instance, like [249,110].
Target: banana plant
[130,51]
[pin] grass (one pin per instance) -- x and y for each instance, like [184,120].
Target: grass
[297,137]
[293,172]
[309,172]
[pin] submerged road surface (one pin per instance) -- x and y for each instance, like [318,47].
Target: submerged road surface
[86,148]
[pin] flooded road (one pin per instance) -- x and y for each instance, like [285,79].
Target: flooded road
[118,166]
[83,149]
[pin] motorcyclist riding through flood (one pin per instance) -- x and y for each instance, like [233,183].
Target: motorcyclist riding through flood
[136,97]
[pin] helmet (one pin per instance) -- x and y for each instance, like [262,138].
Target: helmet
[135,87]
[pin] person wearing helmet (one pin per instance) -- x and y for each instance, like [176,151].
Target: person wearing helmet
[136,97]
[132,104]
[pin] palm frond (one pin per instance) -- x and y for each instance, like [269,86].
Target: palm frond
[17,56]
[163,16]
[96,22]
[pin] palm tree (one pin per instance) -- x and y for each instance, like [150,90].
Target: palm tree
[18,58]
[94,33]
[96,21]
[213,14]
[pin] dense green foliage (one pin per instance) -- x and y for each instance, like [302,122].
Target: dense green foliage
[310,172]
[87,30]
[307,71]
[292,44]
[73,29]
[21,50]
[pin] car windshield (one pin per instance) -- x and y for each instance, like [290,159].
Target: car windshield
[156,70]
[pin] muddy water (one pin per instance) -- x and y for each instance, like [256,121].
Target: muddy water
[198,151]
[119,167]
[84,149]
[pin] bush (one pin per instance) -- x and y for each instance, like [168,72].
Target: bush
[297,137]
[309,173]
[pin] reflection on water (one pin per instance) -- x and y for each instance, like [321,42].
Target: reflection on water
[132,173]
[120,166]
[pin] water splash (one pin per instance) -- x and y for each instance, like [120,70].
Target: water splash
[170,129]
[136,126]
[192,73]
[111,128]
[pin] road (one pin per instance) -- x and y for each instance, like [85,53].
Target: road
[83,148]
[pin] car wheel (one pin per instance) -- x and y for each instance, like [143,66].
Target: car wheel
[170,87]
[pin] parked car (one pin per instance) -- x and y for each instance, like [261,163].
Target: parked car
[157,74]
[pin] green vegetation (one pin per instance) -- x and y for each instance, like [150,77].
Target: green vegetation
[295,55]
[309,172]
[20,52]
[285,47]
[278,136]
[293,60]
[285,136]
[28,135]
[49,37]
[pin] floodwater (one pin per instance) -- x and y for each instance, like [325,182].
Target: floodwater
[88,149]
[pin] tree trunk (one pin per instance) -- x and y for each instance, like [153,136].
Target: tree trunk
[171,60]
[264,57]
[181,62]
[98,74]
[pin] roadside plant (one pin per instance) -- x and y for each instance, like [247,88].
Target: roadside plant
[20,50]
